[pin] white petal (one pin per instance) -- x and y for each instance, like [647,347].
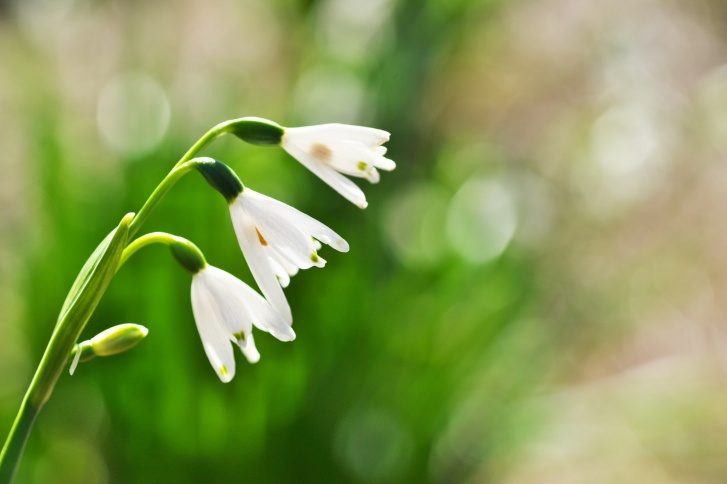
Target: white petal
[335,180]
[305,223]
[383,163]
[283,277]
[229,294]
[372,176]
[284,269]
[250,351]
[259,263]
[287,266]
[240,307]
[335,131]
[350,157]
[214,338]
[263,316]
[278,230]
[290,243]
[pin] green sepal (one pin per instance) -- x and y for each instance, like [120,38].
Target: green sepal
[220,177]
[257,131]
[86,292]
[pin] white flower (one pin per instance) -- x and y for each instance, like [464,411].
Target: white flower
[328,149]
[277,240]
[225,310]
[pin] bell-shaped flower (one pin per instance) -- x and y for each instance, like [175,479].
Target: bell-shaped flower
[225,310]
[277,240]
[333,150]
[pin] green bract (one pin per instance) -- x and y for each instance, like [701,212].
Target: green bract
[85,295]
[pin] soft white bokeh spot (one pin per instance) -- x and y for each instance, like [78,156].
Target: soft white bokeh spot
[373,444]
[482,220]
[133,113]
[323,95]
[414,222]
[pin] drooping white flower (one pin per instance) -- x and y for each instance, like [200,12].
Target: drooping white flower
[328,150]
[277,240]
[225,310]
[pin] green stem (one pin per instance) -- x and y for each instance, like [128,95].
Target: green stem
[180,169]
[166,184]
[186,253]
[62,341]
[17,438]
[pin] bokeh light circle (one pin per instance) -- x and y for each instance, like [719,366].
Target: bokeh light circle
[481,220]
[133,113]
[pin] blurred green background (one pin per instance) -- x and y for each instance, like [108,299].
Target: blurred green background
[532,296]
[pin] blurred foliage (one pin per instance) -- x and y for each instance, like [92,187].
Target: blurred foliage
[532,296]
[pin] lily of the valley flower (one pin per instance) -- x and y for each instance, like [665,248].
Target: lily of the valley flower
[328,150]
[225,310]
[277,240]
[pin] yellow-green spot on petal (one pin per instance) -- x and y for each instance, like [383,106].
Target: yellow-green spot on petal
[361,165]
[223,370]
[314,257]
[239,336]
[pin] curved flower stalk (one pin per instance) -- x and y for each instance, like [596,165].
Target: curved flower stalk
[330,150]
[225,309]
[276,239]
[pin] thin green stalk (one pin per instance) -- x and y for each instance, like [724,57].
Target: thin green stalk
[177,172]
[17,438]
[143,241]
[156,238]
[166,184]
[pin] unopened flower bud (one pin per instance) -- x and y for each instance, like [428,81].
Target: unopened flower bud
[117,339]
[112,341]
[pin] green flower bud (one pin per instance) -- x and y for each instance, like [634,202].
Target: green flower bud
[117,339]
[112,341]
[220,177]
[257,131]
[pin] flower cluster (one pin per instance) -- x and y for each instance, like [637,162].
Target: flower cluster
[276,239]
